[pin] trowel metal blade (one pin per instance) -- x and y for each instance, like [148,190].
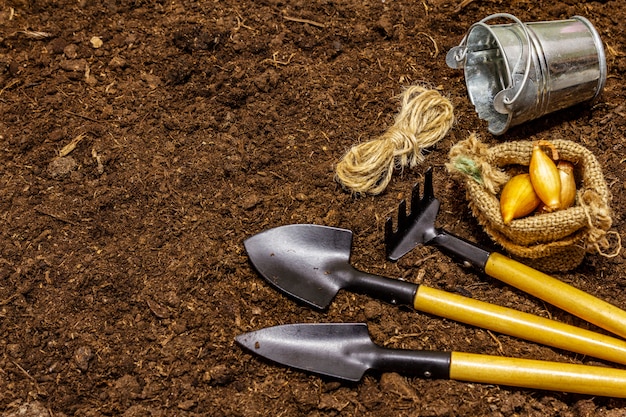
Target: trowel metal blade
[301,260]
[338,350]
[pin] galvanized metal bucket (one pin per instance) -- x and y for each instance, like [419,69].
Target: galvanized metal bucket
[518,71]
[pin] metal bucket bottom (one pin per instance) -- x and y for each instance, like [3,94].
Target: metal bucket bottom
[486,74]
[522,71]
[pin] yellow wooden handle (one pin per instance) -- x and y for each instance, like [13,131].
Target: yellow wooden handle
[557,293]
[527,373]
[516,323]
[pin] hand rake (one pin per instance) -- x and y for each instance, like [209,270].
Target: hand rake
[418,228]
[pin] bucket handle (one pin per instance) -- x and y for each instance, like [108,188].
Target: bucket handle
[458,54]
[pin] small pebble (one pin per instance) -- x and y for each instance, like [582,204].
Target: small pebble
[187,405]
[14,68]
[394,383]
[250,201]
[372,310]
[96,42]
[152,80]
[14,350]
[82,356]
[57,45]
[117,63]
[62,166]
[220,375]
[159,310]
[172,299]
[70,51]
[73,64]
[125,388]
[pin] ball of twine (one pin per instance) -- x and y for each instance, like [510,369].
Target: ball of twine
[425,117]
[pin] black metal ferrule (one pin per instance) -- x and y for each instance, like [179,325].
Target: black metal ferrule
[393,291]
[461,249]
[423,364]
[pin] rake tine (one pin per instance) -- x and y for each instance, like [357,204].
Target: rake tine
[402,216]
[415,200]
[429,193]
[402,222]
[418,225]
[389,234]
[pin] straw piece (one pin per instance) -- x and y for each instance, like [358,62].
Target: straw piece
[469,157]
[425,117]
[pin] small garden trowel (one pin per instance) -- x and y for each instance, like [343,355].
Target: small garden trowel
[346,351]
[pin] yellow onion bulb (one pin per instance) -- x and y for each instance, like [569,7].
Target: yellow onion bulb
[545,176]
[568,183]
[518,198]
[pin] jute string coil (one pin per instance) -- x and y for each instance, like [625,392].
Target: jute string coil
[554,241]
[425,117]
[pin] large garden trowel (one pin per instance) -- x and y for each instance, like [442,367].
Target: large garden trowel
[345,351]
[312,263]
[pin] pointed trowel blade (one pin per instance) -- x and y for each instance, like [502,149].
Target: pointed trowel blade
[302,260]
[338,350]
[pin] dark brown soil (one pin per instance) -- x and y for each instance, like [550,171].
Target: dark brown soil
[123,278]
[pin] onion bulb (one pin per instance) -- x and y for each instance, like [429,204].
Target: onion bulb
[544,175]
[568,183]
[518,198]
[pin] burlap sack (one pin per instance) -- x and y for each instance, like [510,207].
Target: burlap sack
[550,242]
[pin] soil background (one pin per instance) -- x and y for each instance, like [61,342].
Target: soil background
[132,169]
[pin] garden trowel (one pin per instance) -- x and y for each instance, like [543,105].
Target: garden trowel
[345,351]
